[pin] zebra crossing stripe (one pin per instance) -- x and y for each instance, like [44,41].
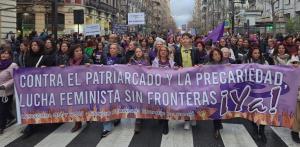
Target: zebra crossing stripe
[120,136]
[10,134]
[61,136]
[236,135]
[177,136]
[233,135]
[285,135]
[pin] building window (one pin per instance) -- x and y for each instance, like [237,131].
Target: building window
[277,4]
[60,21]
[25,22]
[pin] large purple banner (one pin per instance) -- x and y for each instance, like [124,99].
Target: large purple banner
[260,93]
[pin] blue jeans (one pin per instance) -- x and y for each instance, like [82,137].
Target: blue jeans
[108,126]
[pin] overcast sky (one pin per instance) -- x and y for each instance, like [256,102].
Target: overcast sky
[182,10]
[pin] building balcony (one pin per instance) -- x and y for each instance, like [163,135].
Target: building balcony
[107,8]
[31,2]
[100,6]
[25,1]
[155,2]
[92,3]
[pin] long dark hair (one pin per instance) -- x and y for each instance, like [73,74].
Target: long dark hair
[275,53]
[261,58]
[9,51]
[90,43]
[144,40]
[143,57]
[41,46]
[200,42]
[73,48]
[211,53]
[26,44]
[97,48]
[64,42]
[52,43]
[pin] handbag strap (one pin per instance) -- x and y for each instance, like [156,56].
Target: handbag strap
[38,63]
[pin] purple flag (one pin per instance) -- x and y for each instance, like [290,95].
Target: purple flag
[216,34]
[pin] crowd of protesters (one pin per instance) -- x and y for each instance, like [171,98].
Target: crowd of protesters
[172,51]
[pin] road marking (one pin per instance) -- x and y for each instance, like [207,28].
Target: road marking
[121,135]
[177,136]
[236,135]
[11,134]
[285,135]
[61,137]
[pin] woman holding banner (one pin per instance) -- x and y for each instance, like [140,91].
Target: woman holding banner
[77,57]
[296,127]
[112,58]
[145,47]
[281,55]
[62,56]
[226,56]
[130,52]
[163,61]
[159,42]
[215,58]
[6,86]
[138,59]
[36,58]
[255,56]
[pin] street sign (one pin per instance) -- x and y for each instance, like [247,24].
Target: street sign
[184,27]
[136,18]
[227,24]
[92,29]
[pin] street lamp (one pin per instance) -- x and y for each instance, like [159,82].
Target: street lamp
[47,18]
[54,19]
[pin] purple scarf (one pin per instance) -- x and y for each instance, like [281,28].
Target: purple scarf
[5,64]
[74,61]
